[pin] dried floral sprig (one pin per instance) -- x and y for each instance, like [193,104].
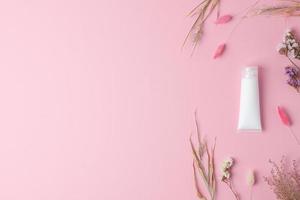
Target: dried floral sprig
[203,165]
[202,11]
[293,77]
[226,175]
[290,8]
[287,122]
[251,181]
[284,180]
[290,48]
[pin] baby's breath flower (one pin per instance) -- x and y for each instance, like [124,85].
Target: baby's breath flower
[284,180]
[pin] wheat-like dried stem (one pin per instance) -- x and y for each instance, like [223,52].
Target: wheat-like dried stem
[201,156]
[202,11]
[290,8]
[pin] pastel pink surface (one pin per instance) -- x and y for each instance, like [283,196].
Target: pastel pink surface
[97,99]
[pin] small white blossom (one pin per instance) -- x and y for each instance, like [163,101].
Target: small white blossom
[225,168]
[229,161]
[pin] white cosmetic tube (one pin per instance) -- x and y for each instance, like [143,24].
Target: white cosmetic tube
[249,118]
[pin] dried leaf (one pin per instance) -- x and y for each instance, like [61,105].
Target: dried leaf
[209,172]
[284,180]
[220,50]
[283,116]
[224,19]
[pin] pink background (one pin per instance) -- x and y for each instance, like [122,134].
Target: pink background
[97,99]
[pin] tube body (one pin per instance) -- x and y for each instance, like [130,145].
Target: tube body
[249,116]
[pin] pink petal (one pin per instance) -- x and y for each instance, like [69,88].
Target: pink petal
[283,116]
[220,50]
[224,19]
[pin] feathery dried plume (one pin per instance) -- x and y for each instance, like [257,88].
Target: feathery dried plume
[251,181]
[251,178]
[287,122]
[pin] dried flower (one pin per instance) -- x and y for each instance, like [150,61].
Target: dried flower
[226,175]
[290,48]
[290,8]
[251,178]
[283,116]
[202,11]
[284,180]
[293,83]
[203,156]
[286,121]
[292,72]
[251,181]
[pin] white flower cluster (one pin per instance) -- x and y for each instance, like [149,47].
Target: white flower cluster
[289,46]
[226,166]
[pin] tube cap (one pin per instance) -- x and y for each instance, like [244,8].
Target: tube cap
[250,72]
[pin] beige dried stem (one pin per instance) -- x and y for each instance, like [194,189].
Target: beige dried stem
[203,166]
[202,11]
[289,8]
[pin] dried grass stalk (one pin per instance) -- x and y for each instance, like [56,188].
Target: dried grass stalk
[288,9]
[203,165]
[202,11]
